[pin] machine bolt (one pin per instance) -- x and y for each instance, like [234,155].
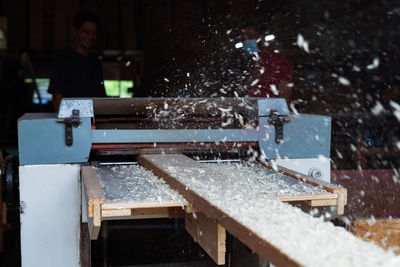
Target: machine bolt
[315,173]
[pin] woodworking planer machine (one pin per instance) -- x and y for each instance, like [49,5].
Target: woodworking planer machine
[56,149]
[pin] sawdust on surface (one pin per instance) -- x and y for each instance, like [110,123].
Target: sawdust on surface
[134,183]
[384,233]
[308,240]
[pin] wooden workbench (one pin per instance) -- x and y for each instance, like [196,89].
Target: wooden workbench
[242,205]
[130,191]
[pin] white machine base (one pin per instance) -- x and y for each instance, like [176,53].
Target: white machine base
[50,215]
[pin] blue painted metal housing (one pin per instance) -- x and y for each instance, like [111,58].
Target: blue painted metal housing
[305,136]
[42,138]
[266,105]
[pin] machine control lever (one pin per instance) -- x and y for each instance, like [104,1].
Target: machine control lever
[73,121]
[278,121]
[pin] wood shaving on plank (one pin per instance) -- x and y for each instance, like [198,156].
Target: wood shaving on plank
[134,183]
[308,240]
[269,183]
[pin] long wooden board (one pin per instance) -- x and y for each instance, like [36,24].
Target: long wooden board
[159,164]
[277,242]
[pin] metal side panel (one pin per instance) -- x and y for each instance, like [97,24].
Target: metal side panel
[316,168]
[305,136]
[85,107]
[266,105]
[41,140]
[50,215]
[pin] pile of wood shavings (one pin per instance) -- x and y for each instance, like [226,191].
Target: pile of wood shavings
[384,232]
[272,184]
[309,241]
[133,182]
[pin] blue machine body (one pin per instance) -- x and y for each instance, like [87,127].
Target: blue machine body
[42,138]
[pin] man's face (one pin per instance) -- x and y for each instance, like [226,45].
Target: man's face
[86,35]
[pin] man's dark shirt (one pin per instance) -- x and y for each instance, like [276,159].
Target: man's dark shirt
[75,75]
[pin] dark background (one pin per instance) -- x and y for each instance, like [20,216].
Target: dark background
[186,48]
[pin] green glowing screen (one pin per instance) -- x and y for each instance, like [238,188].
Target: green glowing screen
[114,88]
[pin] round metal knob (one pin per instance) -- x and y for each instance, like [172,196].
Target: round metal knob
[315,173]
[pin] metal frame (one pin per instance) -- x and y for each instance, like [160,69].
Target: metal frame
[42,138]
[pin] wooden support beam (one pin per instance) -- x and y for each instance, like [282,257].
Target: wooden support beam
[93,191]
[208,233]
[308,197]
[335,189]
[94,197]
[96,221]
[171,212]
[323,202]
[340,203]
[141,204]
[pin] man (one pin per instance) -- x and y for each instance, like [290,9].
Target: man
[270,73]
[77,72]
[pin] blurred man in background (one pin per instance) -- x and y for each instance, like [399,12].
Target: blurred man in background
[77,71]
[270,73]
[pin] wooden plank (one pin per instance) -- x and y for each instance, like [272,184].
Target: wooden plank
[93,191]
[340,204]
[174,212]
[141,204]
[171,212]
[313,181]
[323,202]
[250,238]
[152,211]
[96,221]
[274,230]
[209,234]
[115,213]
[307,197]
